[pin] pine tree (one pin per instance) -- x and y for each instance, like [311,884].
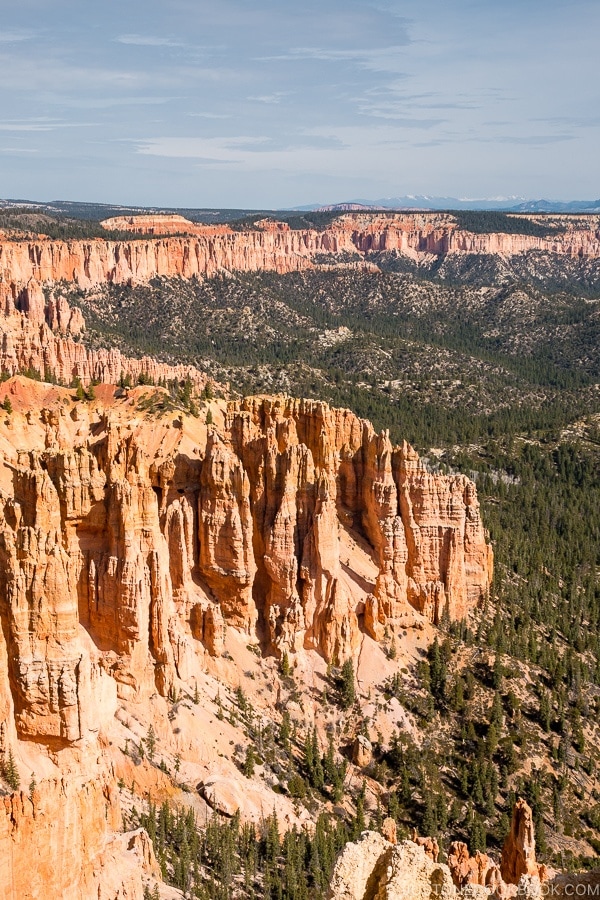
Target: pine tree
[428,822]
[285,665]
[497,672]
[478,837]
[347,685]
[437,672]
[248,767]
[11,772]
[284,731]
[150,742]
[496,714]
[79,391]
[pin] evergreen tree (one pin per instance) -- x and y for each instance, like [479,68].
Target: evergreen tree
[347,685]
[79,391]
[150,742]
[249,761]
[11,772]
[437,672]
[285,665]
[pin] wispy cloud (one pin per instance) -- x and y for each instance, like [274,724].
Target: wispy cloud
[532,140]
[111,102]
[147,40]
[377,59]
[209,115]
[14,36]
[270,99]
[218,149]
[41,124]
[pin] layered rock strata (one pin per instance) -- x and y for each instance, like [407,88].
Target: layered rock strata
[128,543]
[210,250]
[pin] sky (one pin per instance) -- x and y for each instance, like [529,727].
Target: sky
[271,103]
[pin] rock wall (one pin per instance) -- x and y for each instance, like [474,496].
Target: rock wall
[277,248]
[51,838]
[123,543]
[128,543]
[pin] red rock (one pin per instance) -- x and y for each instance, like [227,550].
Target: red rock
[429,845]
[518,852]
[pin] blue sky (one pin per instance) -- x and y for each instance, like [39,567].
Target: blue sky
[257,103]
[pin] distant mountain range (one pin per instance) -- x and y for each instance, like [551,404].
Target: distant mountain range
[503,204]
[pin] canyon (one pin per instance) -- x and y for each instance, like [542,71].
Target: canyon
[154,556]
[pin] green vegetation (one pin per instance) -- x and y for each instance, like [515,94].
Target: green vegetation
[487,221]
[503,379]
[436,364]
[347,687]
[227,859]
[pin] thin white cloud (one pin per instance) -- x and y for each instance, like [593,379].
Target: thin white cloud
[376,59]
[209,115]
[270,99]
[215,149]
[110,102]
[8,36]
[146,40]
[41,124]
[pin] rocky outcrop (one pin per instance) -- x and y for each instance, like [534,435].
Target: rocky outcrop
[374,869]
[315,472]
[478,869]
[109,527]
[362,751]
[52,840]
[41,332]
[157,224]
[517,874]
[518,852]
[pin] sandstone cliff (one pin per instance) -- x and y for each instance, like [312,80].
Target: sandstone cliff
[128,543]
[210,250]
[120,524]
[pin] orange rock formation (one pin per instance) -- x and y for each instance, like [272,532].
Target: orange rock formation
[126,543]
[518,852]
[213,249]
[518,859]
